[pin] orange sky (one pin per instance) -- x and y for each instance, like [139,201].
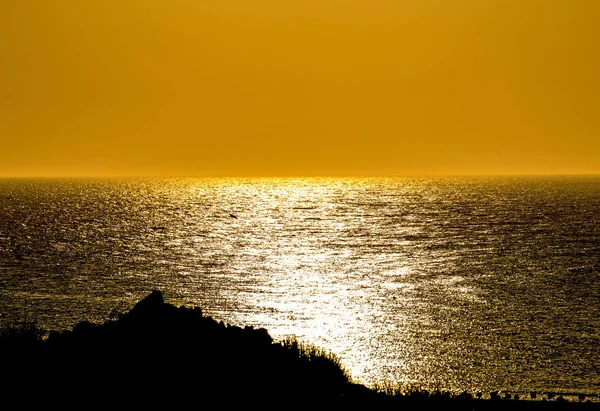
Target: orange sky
[299,87]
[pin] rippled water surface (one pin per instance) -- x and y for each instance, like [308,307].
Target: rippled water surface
[451,283]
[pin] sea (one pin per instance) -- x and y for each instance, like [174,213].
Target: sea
[473,284]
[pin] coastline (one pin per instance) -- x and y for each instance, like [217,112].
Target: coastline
[160,353]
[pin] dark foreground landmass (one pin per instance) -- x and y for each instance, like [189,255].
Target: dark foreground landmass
[162,356]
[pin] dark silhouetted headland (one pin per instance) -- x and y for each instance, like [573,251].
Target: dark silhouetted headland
[161,355]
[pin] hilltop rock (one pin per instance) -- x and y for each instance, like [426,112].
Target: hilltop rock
[162,354]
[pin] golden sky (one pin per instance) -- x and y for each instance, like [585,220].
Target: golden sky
[299,87]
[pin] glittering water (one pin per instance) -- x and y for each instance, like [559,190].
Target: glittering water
[450,283]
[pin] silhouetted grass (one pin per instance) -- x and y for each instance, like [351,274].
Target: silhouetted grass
[22,334]
[161,355]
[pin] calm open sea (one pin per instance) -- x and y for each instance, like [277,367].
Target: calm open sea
[451,283]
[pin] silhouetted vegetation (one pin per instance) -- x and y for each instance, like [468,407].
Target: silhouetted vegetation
[161,355]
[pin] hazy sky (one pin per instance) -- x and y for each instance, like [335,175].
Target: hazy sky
[299,87]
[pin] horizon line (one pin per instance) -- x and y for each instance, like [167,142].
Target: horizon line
[292,176]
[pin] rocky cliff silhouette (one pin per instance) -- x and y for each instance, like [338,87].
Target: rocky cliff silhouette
[160,353]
